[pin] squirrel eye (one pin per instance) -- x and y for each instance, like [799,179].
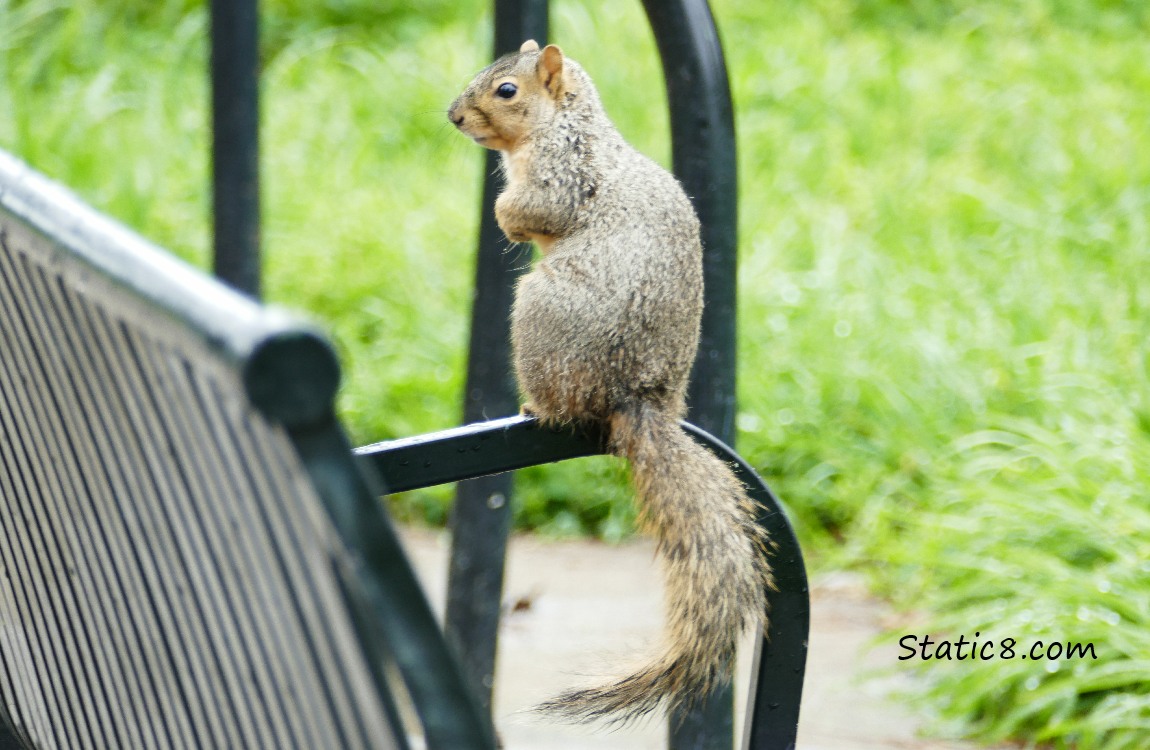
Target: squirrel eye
[506,90]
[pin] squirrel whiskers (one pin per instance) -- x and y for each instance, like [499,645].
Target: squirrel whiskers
[604,330]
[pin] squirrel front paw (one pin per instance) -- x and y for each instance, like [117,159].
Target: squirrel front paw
[511,219]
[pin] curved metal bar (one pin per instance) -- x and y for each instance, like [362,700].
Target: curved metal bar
[703,153]
[502,445]
[781,656]
[703,156]
[235,73]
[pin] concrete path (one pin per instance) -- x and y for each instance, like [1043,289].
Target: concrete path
[571,606]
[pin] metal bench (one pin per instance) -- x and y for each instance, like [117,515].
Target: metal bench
[703,155]
[190,555]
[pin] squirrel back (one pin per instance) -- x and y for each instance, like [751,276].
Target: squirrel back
[604,330]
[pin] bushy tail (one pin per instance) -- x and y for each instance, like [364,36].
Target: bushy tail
[715,569]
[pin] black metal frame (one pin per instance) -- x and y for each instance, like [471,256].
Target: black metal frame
[703,154]
[503,445]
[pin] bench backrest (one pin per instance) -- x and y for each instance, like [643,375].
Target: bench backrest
[189,556]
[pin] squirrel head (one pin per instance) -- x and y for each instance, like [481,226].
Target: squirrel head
[512,96]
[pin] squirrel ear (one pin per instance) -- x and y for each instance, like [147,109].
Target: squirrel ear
[550,68]
[529,46]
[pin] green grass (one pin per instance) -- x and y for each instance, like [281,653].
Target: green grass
[944,287]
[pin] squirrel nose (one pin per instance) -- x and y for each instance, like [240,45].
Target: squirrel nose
[455,117]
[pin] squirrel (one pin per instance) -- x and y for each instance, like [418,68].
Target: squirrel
[604,331]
